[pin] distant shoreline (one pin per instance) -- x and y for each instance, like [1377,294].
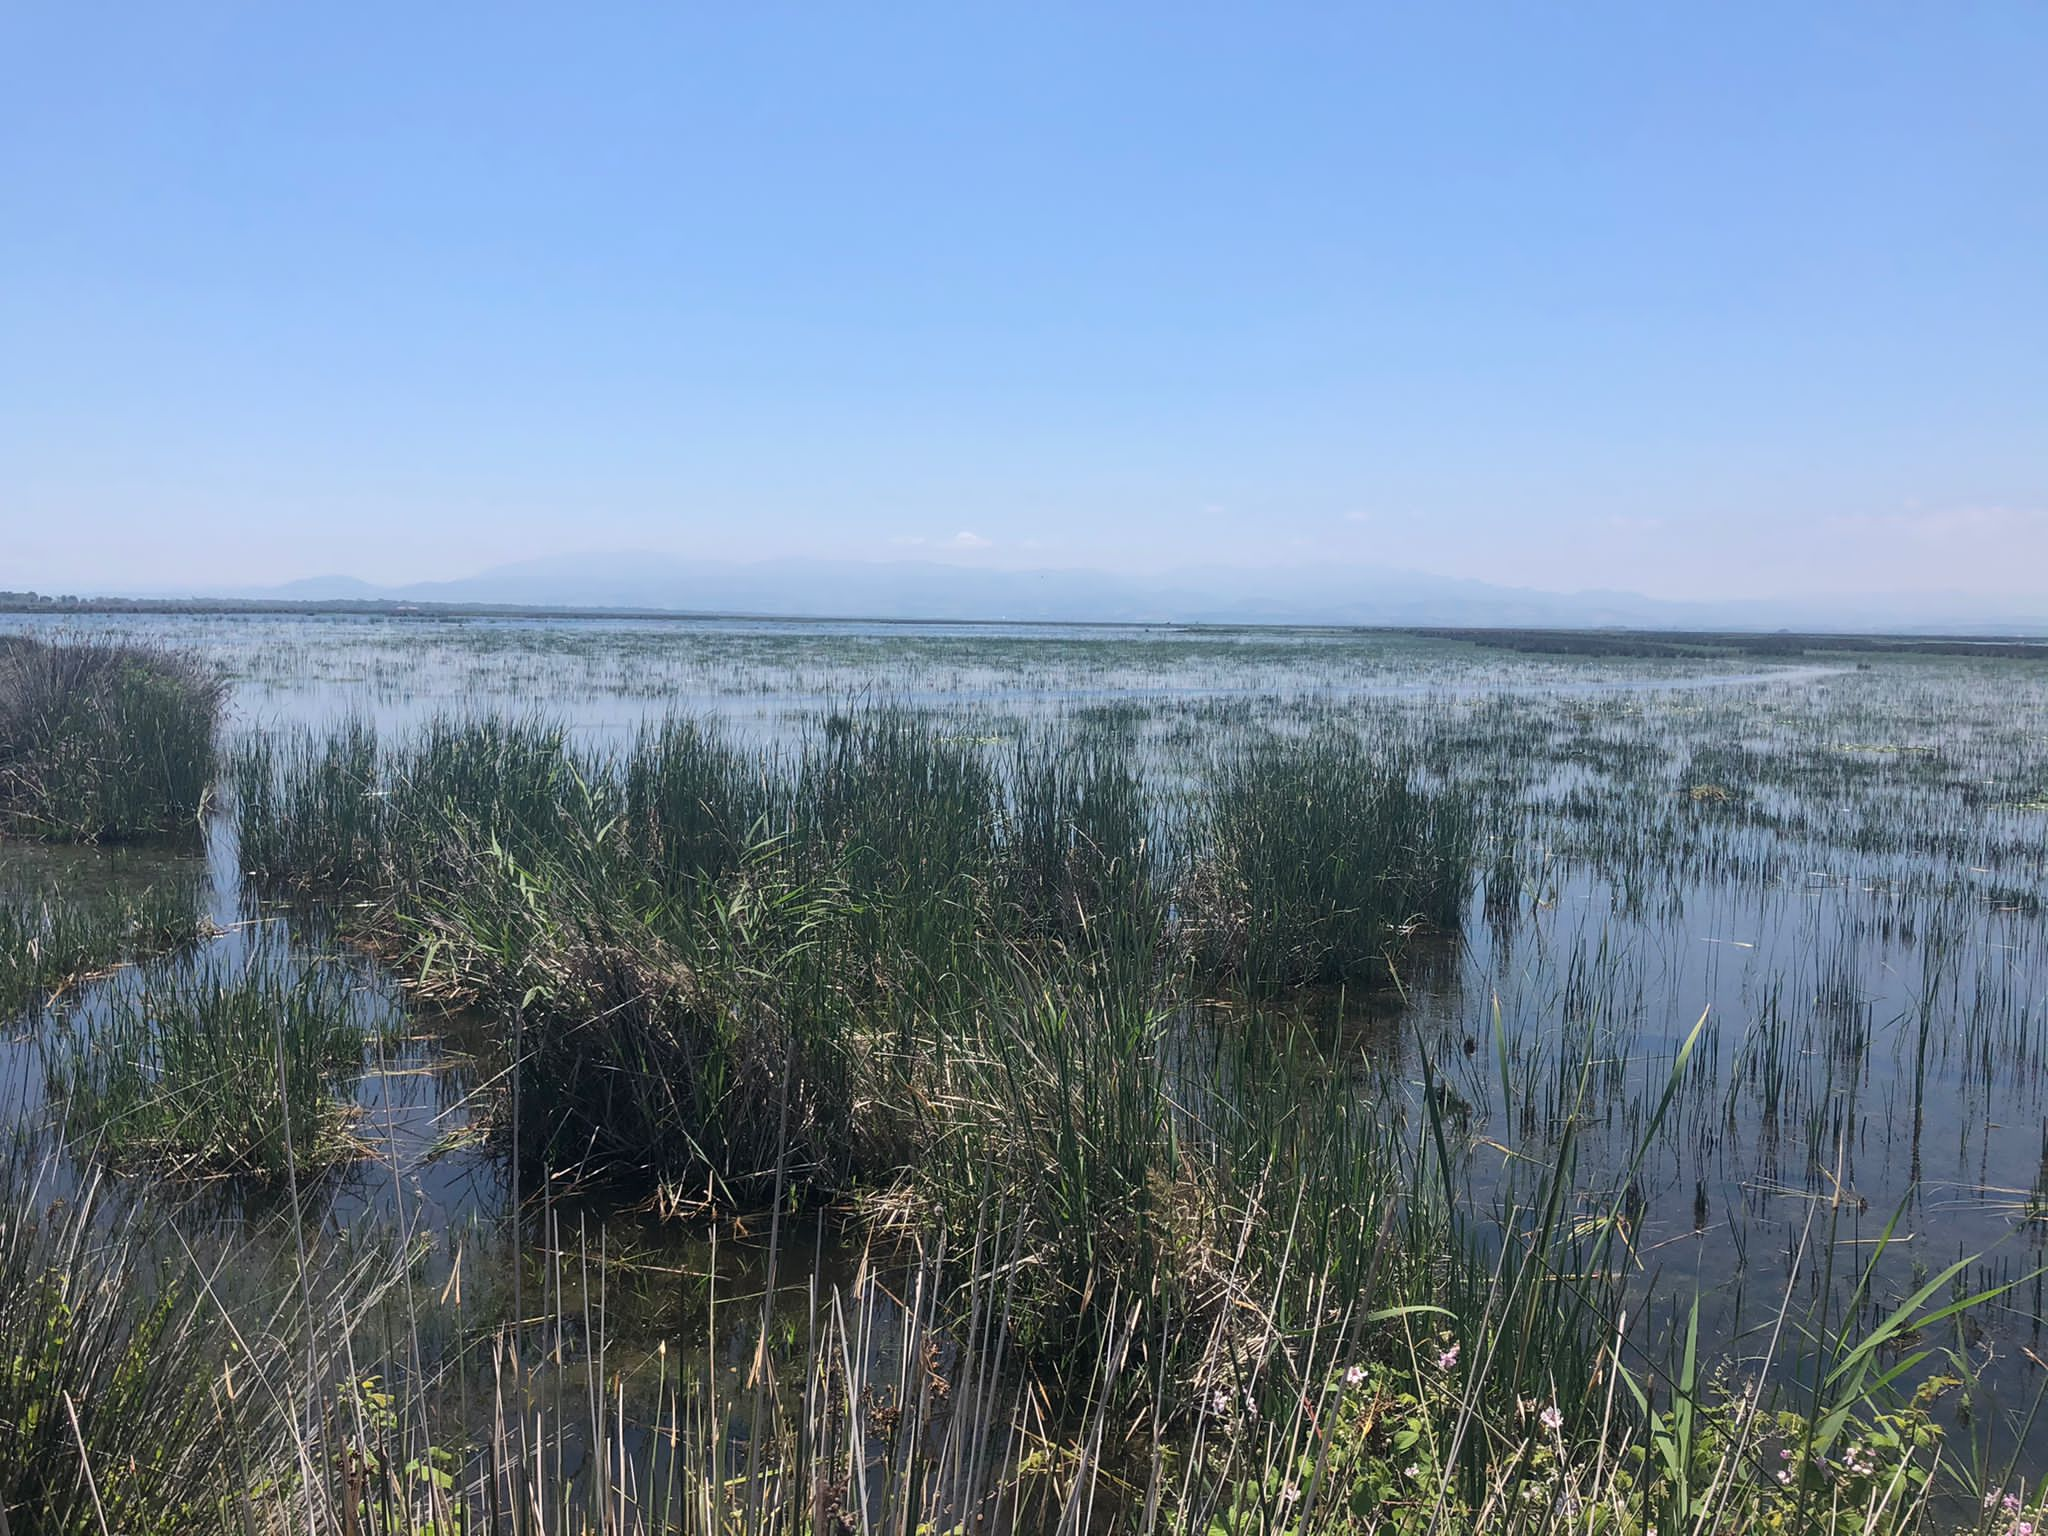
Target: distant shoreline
[1562,640]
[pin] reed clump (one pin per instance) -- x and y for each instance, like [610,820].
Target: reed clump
[54,937]
[699,1044]
[1317,859]
[104,741]
[221,1066]
[734,967]
[1082,846]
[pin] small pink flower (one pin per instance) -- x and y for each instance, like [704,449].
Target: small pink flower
[1447,1359]
[1355,1377]
[1551,1418]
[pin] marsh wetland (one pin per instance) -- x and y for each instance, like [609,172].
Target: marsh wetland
[741,1076]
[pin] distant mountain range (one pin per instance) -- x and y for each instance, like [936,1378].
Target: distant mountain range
[1196,594]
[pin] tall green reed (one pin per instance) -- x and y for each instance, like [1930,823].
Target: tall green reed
[221,1065]
[54,937]
[1316,858]
[104,741]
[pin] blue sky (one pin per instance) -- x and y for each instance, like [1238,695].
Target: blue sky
[1695,300]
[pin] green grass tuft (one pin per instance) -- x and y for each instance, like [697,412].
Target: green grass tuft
[104,742]
[216,1067]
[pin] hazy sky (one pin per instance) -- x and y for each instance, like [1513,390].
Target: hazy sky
[1692,299]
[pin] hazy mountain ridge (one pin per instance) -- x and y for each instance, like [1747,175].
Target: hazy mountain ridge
[1272,595]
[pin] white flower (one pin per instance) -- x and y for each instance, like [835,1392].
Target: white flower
[1551,1418]
[1355,1377]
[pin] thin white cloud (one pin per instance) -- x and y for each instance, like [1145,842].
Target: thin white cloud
[965,539]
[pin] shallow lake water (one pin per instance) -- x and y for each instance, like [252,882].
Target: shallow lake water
[1827,875]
